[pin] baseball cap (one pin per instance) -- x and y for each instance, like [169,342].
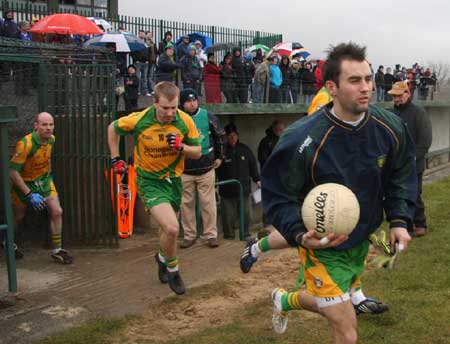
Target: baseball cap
[399,88]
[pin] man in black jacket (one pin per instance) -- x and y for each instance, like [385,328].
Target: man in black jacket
[269,141]
[240,164]
[419,126]
[199,175]
[167,65]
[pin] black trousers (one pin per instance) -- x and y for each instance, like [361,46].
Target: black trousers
[419,215]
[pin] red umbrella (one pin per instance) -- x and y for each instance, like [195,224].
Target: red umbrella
[66,24]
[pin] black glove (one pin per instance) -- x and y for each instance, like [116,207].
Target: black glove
[174,141]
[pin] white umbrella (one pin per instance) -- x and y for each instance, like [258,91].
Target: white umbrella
[101,22]
[125,41]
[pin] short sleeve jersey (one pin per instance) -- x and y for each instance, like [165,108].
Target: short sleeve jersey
[153,158]
[32,158]
[321,99]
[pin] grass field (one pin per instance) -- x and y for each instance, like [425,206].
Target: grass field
[418,292]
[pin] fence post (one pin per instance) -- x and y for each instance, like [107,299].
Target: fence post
[7,115]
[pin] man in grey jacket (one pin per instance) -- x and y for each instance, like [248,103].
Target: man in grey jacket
[419,126]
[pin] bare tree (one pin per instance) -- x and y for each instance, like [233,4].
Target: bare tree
[442,72]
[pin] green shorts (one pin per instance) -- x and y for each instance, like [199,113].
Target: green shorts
[331,273]
[43,185]
[156,191]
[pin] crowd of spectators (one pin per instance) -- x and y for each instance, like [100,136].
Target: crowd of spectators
[417,77]
[242,76]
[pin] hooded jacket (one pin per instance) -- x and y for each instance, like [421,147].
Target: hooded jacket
[266,146]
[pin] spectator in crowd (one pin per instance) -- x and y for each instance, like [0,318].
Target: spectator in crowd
[249,73]
[267,144]
[9,27]
[296,80]
[318,74]
[152,55]
[167,66]
[183,47]
[227,77]
[419,126]
[379,82]
[37,37]
[32,182]
[141,60]
[119,77]
[190,70]
[388,82]
[212,80]
[424,84]
[22,70]
[286,74]
[164,42]
[23,34]
[275,80]
[413,80]
[199,175]
[131,95]
[240,164]
[260,81]
[164,137]
[258,56]
[308,80]
[240,82]
[200,54]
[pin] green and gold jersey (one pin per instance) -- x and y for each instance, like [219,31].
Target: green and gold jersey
[32,158]
[153,158]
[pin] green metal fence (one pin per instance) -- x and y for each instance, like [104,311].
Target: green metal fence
[7,115]
[77,86]
[239,37]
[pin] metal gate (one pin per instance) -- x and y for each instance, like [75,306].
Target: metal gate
[76,86]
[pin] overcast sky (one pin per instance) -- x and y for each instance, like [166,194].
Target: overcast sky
[401,31]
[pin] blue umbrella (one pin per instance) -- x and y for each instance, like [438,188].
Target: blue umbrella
[125,41]
[197,36]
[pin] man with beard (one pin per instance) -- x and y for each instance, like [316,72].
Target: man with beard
[355,144]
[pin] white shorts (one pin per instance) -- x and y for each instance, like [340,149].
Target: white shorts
[331,301]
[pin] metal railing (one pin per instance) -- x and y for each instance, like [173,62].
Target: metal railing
[242,38]
[8,114]
[241,208]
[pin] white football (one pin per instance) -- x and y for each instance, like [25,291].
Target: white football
[330,208]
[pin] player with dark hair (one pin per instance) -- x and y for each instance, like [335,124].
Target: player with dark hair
[163,137]
[355,144]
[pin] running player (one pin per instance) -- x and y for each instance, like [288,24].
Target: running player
[163,137]
[351,143]
[32,183]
